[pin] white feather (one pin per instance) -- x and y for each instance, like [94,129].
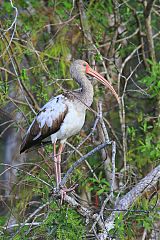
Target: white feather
[38,135]
[49,121]
[51,111]
[41,120]
[72,124]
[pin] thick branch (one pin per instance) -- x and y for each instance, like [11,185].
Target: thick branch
[125,202]
[148,8]
[84,21]
[147,15]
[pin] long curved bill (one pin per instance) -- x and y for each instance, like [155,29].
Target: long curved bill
[95,74]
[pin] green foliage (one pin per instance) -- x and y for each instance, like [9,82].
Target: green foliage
[153,80]
[4,91]
[141,216]
[147,147]
[120,225]
[3,220]
[62,223]
[56,221]
[100,185]
[145,143]
[95,12]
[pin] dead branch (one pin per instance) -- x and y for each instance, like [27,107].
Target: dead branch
[12,26]
[17,71]
[105,156]
[79,161]
[86,162]
[17,167]
[31,216]
[128,200]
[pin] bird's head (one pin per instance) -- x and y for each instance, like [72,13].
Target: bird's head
[80,66]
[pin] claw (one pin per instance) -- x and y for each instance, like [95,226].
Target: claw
[64,191]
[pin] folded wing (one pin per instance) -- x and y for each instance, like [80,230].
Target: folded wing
[47,122]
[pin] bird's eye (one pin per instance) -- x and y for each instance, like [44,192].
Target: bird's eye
[84,64]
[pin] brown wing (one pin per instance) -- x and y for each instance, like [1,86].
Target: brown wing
[47,122]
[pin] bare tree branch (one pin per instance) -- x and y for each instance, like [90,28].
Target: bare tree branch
[148,9]
[125,202]
[79,161]
[147,14]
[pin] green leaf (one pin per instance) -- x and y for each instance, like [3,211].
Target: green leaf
[100,191]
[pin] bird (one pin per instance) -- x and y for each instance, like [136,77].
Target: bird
[64,115]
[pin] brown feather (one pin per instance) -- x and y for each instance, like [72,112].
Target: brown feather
[46,131]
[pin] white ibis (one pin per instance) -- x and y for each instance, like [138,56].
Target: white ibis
[63,116]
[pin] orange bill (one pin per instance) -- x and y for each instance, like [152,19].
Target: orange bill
[95,74]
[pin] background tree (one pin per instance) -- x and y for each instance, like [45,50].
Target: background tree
[119,147]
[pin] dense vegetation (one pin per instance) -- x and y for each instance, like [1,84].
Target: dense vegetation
[39,40]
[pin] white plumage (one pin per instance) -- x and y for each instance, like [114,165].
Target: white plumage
[63,116]
[72,123]
[51,110]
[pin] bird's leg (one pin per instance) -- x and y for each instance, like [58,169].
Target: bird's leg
[59,162]
[55,164]
[62,191]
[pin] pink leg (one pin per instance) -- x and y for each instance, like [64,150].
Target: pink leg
[55,164]
[62,191]
[59,162]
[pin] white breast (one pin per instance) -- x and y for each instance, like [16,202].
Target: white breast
[72,123]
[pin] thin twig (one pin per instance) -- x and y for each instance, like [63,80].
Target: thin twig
[79,161]
[31,216]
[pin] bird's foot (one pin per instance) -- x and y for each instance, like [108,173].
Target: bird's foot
[64,191]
